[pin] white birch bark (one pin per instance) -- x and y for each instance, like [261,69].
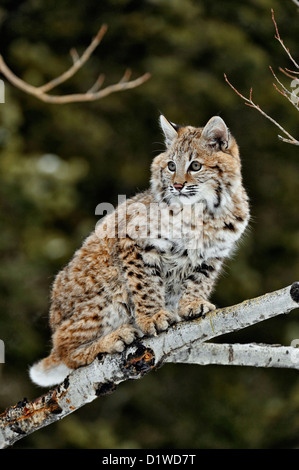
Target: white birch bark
[254,355]
[184,342]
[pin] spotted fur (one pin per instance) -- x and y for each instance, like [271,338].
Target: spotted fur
[134,276]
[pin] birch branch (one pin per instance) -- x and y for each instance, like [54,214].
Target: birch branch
[184,342]
[254,355]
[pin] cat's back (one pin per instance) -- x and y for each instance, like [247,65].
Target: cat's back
[96,267]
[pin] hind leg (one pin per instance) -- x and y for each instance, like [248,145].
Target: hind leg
[75,354]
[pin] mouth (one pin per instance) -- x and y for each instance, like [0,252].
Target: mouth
[184,196]
[184,191]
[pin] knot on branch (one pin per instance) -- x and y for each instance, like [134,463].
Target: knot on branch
[140,362]
[26,414]
[294,292]
[104,388]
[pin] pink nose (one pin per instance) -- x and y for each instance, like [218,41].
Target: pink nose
[178,186]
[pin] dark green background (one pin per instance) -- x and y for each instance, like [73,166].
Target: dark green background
[57,162]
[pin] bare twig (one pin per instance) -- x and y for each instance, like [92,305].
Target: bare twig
[92,94]
[78,62]
[281,41]
[184,342]
[289,95]
[288,72]
[249,102]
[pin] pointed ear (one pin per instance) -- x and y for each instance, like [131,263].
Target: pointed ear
[169,130]
[216,133]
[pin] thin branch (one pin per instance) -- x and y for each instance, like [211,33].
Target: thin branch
[281,41]
[78,62]
[91,95]
[98,84]
[181,343]
[290,96]
[293,71]
[288,72]
[249,102]
[126,76]
[74,54]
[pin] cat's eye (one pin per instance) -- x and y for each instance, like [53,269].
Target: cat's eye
[171,166]
[195,166]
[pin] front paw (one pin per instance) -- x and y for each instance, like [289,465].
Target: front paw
[160,321]
[195,308]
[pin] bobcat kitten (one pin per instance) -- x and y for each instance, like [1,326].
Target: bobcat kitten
[132,277]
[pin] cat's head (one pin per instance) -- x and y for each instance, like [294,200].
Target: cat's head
[198,165]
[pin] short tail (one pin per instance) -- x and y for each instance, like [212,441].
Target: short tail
[49,371]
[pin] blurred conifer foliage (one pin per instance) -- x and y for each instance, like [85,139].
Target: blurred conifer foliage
[57,162]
